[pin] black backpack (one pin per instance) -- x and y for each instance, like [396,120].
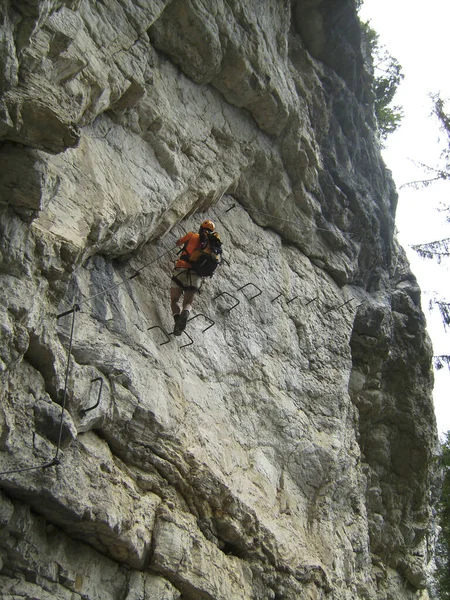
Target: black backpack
[205,260]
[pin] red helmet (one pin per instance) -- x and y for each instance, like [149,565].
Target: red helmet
[208,225]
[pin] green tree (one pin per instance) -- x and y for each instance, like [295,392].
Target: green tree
[439,249]
[387,77]
[440,172]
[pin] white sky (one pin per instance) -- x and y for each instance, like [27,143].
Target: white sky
[416,35]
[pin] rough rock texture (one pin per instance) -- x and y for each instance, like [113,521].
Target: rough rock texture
[287,453]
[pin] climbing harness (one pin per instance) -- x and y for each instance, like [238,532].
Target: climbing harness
[186,285]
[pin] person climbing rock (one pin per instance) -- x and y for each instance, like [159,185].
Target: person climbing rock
[199,258]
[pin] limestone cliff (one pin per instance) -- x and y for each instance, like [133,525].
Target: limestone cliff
[283,447]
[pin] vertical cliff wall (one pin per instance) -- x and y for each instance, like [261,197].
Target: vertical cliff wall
[283,447]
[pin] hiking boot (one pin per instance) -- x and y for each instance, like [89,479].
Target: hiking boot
[176,328]
[181,325]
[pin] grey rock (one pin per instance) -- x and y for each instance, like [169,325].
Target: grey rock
[289,450]
[53,425]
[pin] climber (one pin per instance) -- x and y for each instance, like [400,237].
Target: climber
[199,257]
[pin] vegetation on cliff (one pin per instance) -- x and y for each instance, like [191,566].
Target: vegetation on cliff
[439,249]
[387,77]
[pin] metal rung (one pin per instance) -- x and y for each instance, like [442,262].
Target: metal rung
[231,296]
[164,332]
[281,294]
[171,333]
[313,300]
[207,318]
[85,410]
[74,308]
[190,343]
[338,307]
[254,285]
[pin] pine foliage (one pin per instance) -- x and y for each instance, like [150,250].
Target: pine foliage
[441,361]
[387,77]
[438,249]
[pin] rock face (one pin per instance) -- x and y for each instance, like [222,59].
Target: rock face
[283,447]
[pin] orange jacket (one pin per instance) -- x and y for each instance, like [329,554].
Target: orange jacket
[193,242]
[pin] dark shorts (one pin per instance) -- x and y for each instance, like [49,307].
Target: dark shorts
[186,279]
